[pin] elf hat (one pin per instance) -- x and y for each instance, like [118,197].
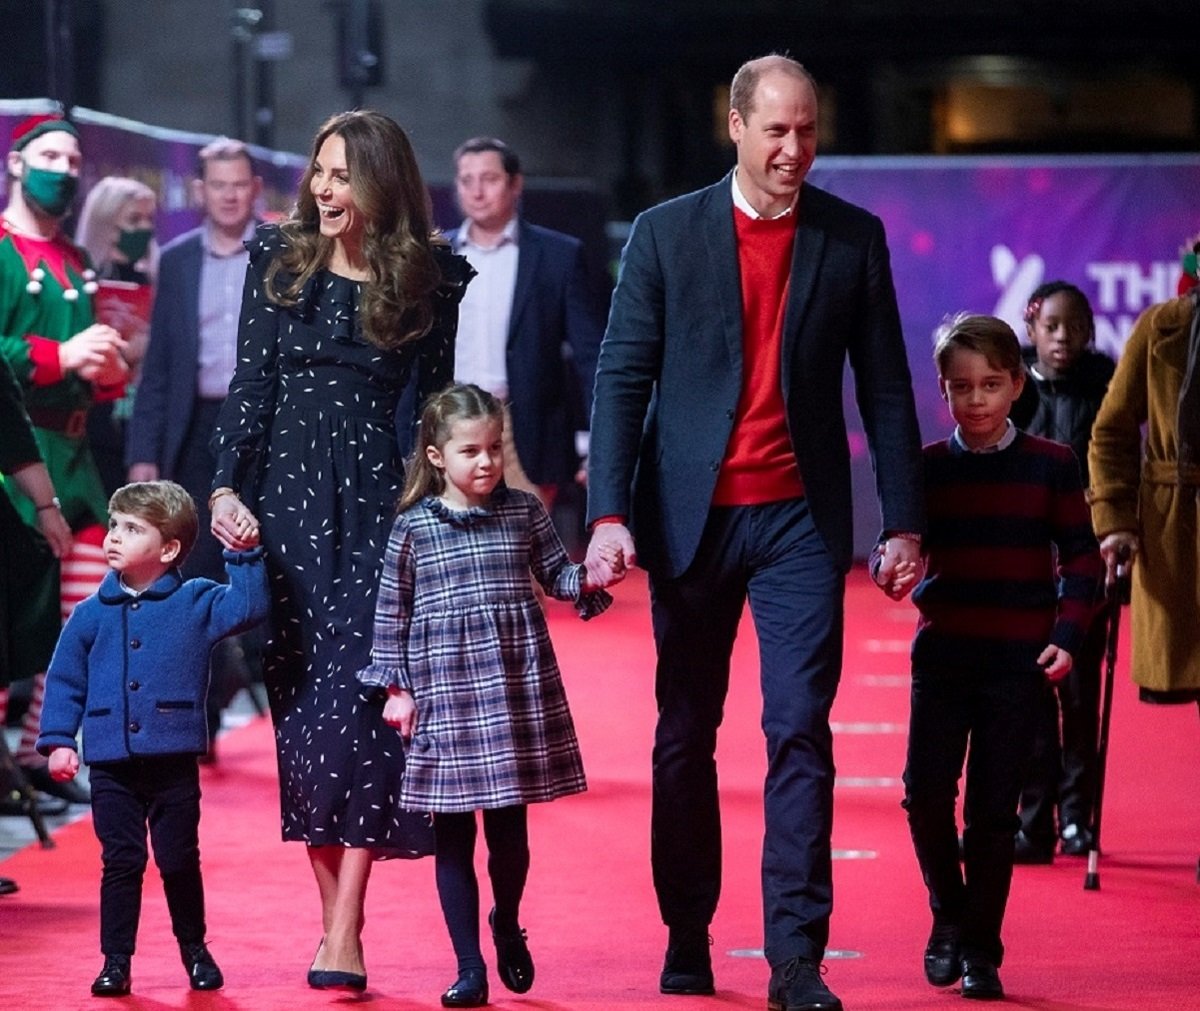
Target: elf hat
[35,126]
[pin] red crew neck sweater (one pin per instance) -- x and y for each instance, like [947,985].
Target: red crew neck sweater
[760,462]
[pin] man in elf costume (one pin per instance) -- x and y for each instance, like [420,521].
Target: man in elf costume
[64,361]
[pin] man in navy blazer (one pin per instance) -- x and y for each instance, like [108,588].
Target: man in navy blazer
[191,356]
[193,338]
[529,330]
[718,439]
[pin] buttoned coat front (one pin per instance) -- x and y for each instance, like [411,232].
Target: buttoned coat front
[133,671]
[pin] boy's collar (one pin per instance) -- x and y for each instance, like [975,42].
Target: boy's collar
[114,591]
[1006,440]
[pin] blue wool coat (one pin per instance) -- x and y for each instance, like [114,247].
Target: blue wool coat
[134,670]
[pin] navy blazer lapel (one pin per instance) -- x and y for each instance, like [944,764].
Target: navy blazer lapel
[721,239]
[529,251]
[807,250]
[191,267]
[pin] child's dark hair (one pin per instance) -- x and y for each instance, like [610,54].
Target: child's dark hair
[458,402]
[987,335]
[1033,307]
[166,506]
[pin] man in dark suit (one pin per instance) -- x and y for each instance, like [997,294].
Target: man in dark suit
[191,356]
[528,328]
[718,437]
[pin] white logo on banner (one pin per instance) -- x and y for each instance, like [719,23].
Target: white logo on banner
[1118,291]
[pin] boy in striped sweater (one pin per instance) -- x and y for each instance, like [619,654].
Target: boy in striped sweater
[1012,578]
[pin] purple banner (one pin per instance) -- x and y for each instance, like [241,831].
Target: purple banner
[979,234]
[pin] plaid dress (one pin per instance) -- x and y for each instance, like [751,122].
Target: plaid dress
[458,625]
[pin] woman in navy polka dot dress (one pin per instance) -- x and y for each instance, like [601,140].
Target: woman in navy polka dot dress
[345,303]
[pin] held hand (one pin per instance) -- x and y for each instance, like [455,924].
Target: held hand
[1056,662]
[610,553]
[56,530]
[1119,548]
[900,568]
[64,764]
[400,711]
[233,524]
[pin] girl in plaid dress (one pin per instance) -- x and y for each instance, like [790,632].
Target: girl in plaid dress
[463,653]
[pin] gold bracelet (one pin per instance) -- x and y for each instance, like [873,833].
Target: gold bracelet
[217,493]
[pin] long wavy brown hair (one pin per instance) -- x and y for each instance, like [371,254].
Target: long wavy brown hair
[398,241]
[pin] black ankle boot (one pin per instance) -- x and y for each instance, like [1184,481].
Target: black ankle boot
[203,972]
[687,968]
[114,979]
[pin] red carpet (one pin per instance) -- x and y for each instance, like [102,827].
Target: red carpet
[593,925]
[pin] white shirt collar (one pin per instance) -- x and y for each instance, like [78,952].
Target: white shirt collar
[744,205]
[1006,440]
[463,236]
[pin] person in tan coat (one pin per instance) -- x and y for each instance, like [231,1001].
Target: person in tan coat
[1145,496]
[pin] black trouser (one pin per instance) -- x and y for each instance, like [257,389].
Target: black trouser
[996,714]
[507,834]
[161,792]
[1062,771]
[773,557]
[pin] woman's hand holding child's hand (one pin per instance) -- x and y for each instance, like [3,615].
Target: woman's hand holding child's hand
[400,712]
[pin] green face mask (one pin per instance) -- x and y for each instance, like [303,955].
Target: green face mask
[51,191]
[134,242]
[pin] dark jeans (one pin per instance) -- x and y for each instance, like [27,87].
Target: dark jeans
[996,715]
[1062,770]
[773,556]
[161,792]
[507,833]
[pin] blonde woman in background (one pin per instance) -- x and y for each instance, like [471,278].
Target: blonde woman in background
[116,228]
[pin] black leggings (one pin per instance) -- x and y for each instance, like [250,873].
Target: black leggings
[507,834]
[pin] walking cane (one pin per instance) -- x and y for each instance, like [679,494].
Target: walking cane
[1118,594]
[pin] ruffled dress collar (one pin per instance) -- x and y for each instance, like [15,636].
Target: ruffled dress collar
[464,517]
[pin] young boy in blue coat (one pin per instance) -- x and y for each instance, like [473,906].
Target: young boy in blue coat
[131,668]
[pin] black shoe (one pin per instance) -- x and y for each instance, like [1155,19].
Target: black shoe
[1026,851]
[796,985]
[687,969]
[203,972]
[942,960]
[469,990]
[1076,840]
[980,980]
[514,964]
[38,776]
[114,979]
[8,886]
[334,979]
[13,806]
